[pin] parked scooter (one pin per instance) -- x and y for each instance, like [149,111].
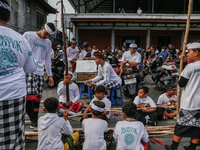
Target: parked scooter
[57,67]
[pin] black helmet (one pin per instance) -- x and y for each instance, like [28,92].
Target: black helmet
[85,45]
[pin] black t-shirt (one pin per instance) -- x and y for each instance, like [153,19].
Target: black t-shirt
[89,54]
[172,52]
[147,55]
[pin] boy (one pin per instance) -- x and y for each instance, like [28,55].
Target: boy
[110,78]
[167,99]
[50,126]
[143,101]
[74,94]
[99,96]
[95,127]
[16,59]
[41,48]
[188,122]
[129,133]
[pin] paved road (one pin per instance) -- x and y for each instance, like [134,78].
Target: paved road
[154,94]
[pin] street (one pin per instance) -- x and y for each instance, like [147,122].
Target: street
[154,94]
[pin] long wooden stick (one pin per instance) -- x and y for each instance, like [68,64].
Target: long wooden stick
[183,53]
[64,44]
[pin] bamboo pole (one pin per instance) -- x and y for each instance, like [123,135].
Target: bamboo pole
[183,53]
[64,44]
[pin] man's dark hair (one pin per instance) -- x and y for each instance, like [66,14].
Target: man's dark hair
[51,25]
[145,89]
[51,104]
[170,44]
[98,104]
[171,87]
[100,88]
[153,46]
[116,47]
[5,14]
[99,55]
[130,110]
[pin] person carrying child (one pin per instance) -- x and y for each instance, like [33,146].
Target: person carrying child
[99,96]
[129,133]
[143,101]
[165,100]
[96,133]
[74,94]
[188,121]
[50,126]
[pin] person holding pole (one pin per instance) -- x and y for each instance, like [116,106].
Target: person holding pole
[16,59]
[188,122]
[41,48]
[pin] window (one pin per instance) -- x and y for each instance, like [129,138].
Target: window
[40,17]
[28,7]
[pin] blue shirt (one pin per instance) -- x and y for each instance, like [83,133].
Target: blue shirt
[123,11]
[165,54]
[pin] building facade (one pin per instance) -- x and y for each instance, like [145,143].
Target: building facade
[162,22]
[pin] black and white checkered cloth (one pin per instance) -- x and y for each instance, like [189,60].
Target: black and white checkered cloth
[189,118]
[112,85]
[34,84]
[12,117]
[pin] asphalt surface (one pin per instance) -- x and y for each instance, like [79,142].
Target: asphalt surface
[154,94]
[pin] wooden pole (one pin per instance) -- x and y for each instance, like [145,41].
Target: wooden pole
[183,53]
[64,44]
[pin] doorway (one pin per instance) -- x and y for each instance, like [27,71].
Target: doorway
[163,41]
[127,40]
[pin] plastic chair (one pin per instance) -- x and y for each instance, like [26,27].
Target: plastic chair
[113,96]
[88,93]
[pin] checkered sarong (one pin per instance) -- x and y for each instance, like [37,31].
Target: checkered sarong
[34,85]
[110,84]
[12,116]
[189,118]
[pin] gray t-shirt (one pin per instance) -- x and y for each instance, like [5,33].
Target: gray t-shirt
[163,99]
[146,100]
[190,98]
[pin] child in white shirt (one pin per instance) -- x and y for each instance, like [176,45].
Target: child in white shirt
[129,133]
[94,128]
[143,101]
[100,96]
[50,126]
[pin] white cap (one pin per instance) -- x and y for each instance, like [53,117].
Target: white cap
[194,45]
[186,50]
[133,45]
[69,72]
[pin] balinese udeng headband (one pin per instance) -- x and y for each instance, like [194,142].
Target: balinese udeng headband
[194,45]
[4,5]
[48,29]
[97,108]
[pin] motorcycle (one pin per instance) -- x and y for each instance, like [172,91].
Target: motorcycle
[160,75]
[58,68]
[131,82]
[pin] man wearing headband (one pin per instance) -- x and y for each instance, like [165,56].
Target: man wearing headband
[16,59]
[131,57]
[41,48]
[85,53]
[110,78]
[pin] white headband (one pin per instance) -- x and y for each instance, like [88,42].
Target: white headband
[194,45]
[4,5]
[97,108]
[48,29]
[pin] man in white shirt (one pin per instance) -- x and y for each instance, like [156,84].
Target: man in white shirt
[131,57]
[41,48]
[86,52]
[94,49]
[110,78]
[139,11]
[16,59]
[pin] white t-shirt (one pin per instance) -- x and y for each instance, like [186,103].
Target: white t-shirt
[146,100]
[128,135]
[16,58]
[94,134]
[74,94]
[163,99]
[92,53]
[107,103]
[136,57]
[41,49]
[72,53]
[82,55]
[49,131]
[190,98]
[107,73]
[139,11]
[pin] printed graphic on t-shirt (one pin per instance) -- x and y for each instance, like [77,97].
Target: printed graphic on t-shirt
[129,134]
[39,45]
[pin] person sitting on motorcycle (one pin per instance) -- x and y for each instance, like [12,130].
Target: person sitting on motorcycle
[110,78]
[85,53]
[147,56]
[116,55]
[165,54]
[132,57]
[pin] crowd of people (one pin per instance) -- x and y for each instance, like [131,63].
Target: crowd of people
[22,61]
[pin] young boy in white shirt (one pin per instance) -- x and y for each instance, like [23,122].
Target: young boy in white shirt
[99,96]
[41,48]
[143,101]
[129,133]
[165,100]
[74,94]
[50,126]
[188,122]
[95,129]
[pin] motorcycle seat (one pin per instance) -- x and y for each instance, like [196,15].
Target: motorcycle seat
[160,70]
